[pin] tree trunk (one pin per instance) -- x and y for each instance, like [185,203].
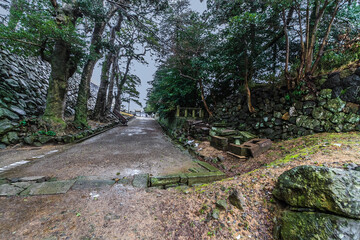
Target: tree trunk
[61,71]
[248,92]
[110,96]
[99,111]
[203,97]
[120,85]
[286,71]
[81,108]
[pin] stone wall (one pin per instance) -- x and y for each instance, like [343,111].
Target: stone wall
[283,115]
[23,89]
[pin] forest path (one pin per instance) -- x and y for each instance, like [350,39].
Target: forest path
[142,147]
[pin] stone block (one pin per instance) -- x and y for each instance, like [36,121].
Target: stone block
[199,178]
[9,190]
[248,149]
[164,180]
[207,166]
[33,179]
[220,143]
[227,132]
[141,181]
[49,188]
[90,184]
[252,148]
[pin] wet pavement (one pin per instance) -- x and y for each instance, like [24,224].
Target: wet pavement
[142,147]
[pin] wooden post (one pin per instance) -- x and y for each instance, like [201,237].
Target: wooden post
[193,113]
[178,111]
[186,112]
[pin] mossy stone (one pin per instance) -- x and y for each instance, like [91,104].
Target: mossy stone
[325,94]
[13,137]
[335,105]
[325,189]
[312,225]
[320,113]
[338,118]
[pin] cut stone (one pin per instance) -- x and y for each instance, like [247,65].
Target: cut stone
[227,132]
[207,166]
[197,178]
[9,190]
[253,148]
[33,179]
[86,184]
[220,143]
[165,180]
[22,185]
[141,181]
[49,188]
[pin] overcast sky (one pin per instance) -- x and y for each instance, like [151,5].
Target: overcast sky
[144,72]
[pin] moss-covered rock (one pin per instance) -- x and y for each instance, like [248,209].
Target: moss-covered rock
[326,189]
[320,113]
[338,118]
[5,113]
[311,225]
[335,105]
[325,94]
[307,122]
[13,137]
[352,118]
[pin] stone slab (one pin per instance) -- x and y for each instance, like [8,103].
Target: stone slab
[49,188]
[227,132]
[9,190]
[88,184]
[33,178]
[22,185]
[164,180]
[141,181]
[207,166]
[198,178]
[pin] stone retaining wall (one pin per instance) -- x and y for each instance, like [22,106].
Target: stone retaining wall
[23,90]
[283,115]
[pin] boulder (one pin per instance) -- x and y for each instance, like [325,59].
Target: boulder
[325,94]
[13,137]
[335,105]
[312,225]
[338,118]
[353,80]
[325,189]
[350,94]
[357,72]
[5,126]
[332,82]
[352,118]
[320,113]
[5,113]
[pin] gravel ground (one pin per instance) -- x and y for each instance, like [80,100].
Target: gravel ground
[141,147]
[121,212]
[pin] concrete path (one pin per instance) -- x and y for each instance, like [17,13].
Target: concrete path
[139,148]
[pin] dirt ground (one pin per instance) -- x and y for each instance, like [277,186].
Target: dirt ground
[120,212]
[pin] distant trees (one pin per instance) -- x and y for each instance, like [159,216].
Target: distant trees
[58,31]
[240,43]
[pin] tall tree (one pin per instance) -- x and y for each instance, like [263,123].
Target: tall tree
[48,29]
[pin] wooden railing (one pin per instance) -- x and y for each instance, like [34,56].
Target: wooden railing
[189,112]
